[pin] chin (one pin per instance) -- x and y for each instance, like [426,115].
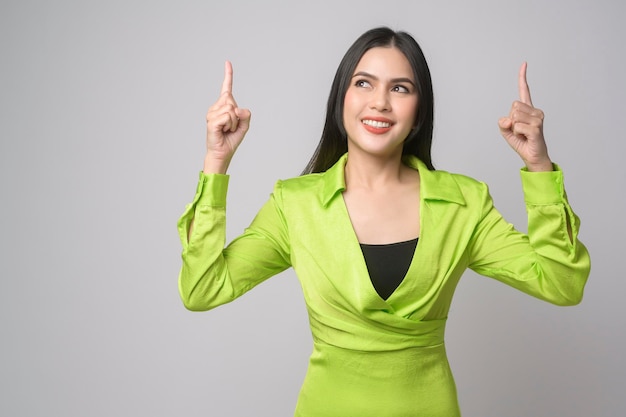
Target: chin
[378,150]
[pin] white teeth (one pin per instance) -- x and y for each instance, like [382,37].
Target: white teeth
[375,123]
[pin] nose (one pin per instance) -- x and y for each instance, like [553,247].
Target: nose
[380,100]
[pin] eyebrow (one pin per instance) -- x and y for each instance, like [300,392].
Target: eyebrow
[393,80]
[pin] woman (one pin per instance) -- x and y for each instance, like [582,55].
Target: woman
[377,299]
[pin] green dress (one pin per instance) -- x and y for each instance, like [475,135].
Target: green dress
[375,357]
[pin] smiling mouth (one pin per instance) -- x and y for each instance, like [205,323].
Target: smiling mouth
[376,124]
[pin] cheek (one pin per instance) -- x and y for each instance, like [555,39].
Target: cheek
[411,113]
[350,109]
[348,102]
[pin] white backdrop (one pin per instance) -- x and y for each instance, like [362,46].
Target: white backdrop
[102,109]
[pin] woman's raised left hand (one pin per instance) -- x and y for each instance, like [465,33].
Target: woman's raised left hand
[523,129]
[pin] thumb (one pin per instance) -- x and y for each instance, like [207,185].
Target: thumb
[244,117]
[505,124]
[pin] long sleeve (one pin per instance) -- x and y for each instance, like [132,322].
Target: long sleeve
[545,262]
[212,275]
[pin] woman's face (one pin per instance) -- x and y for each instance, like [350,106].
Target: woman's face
[380,103]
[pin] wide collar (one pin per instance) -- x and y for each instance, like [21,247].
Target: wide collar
[434,185]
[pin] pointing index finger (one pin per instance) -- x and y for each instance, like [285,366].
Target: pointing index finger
[524,91]
[227,85]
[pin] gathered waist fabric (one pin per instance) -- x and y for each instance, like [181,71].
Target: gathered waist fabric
[410,382]
[376,334]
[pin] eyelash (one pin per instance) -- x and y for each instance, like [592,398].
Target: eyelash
[396,88]
[401,87]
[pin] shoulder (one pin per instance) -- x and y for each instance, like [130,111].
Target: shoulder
[302,181]
[445,185]
[303,189]
[309,183]
[468,185]
[453,187]
[461,179]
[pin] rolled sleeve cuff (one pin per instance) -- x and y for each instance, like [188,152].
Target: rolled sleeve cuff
[543,188]
[212,190]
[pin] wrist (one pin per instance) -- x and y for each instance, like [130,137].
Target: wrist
[540,166]
[214,165]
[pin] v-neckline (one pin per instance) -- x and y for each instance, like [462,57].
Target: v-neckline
[405,279]
[364,278]
[383,258]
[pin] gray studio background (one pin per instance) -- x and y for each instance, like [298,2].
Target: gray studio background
[102,108]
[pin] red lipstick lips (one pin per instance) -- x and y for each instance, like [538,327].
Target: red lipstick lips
[377,125]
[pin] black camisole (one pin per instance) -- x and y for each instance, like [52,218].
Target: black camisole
[388,264]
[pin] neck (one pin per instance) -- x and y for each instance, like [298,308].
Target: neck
[368,171]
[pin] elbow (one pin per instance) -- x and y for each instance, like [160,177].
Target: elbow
[569,300]
[193,304]
[199,295]
[572,294]
[570,284]
[575,295]
[191,299]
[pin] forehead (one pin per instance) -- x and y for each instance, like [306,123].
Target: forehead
[385,62]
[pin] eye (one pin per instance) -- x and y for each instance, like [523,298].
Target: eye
[400,89]
[362,83]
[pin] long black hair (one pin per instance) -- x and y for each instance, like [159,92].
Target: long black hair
[333,143]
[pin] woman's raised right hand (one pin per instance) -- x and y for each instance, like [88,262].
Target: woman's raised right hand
[227,125]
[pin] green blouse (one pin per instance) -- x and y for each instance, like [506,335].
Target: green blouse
[375,357]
